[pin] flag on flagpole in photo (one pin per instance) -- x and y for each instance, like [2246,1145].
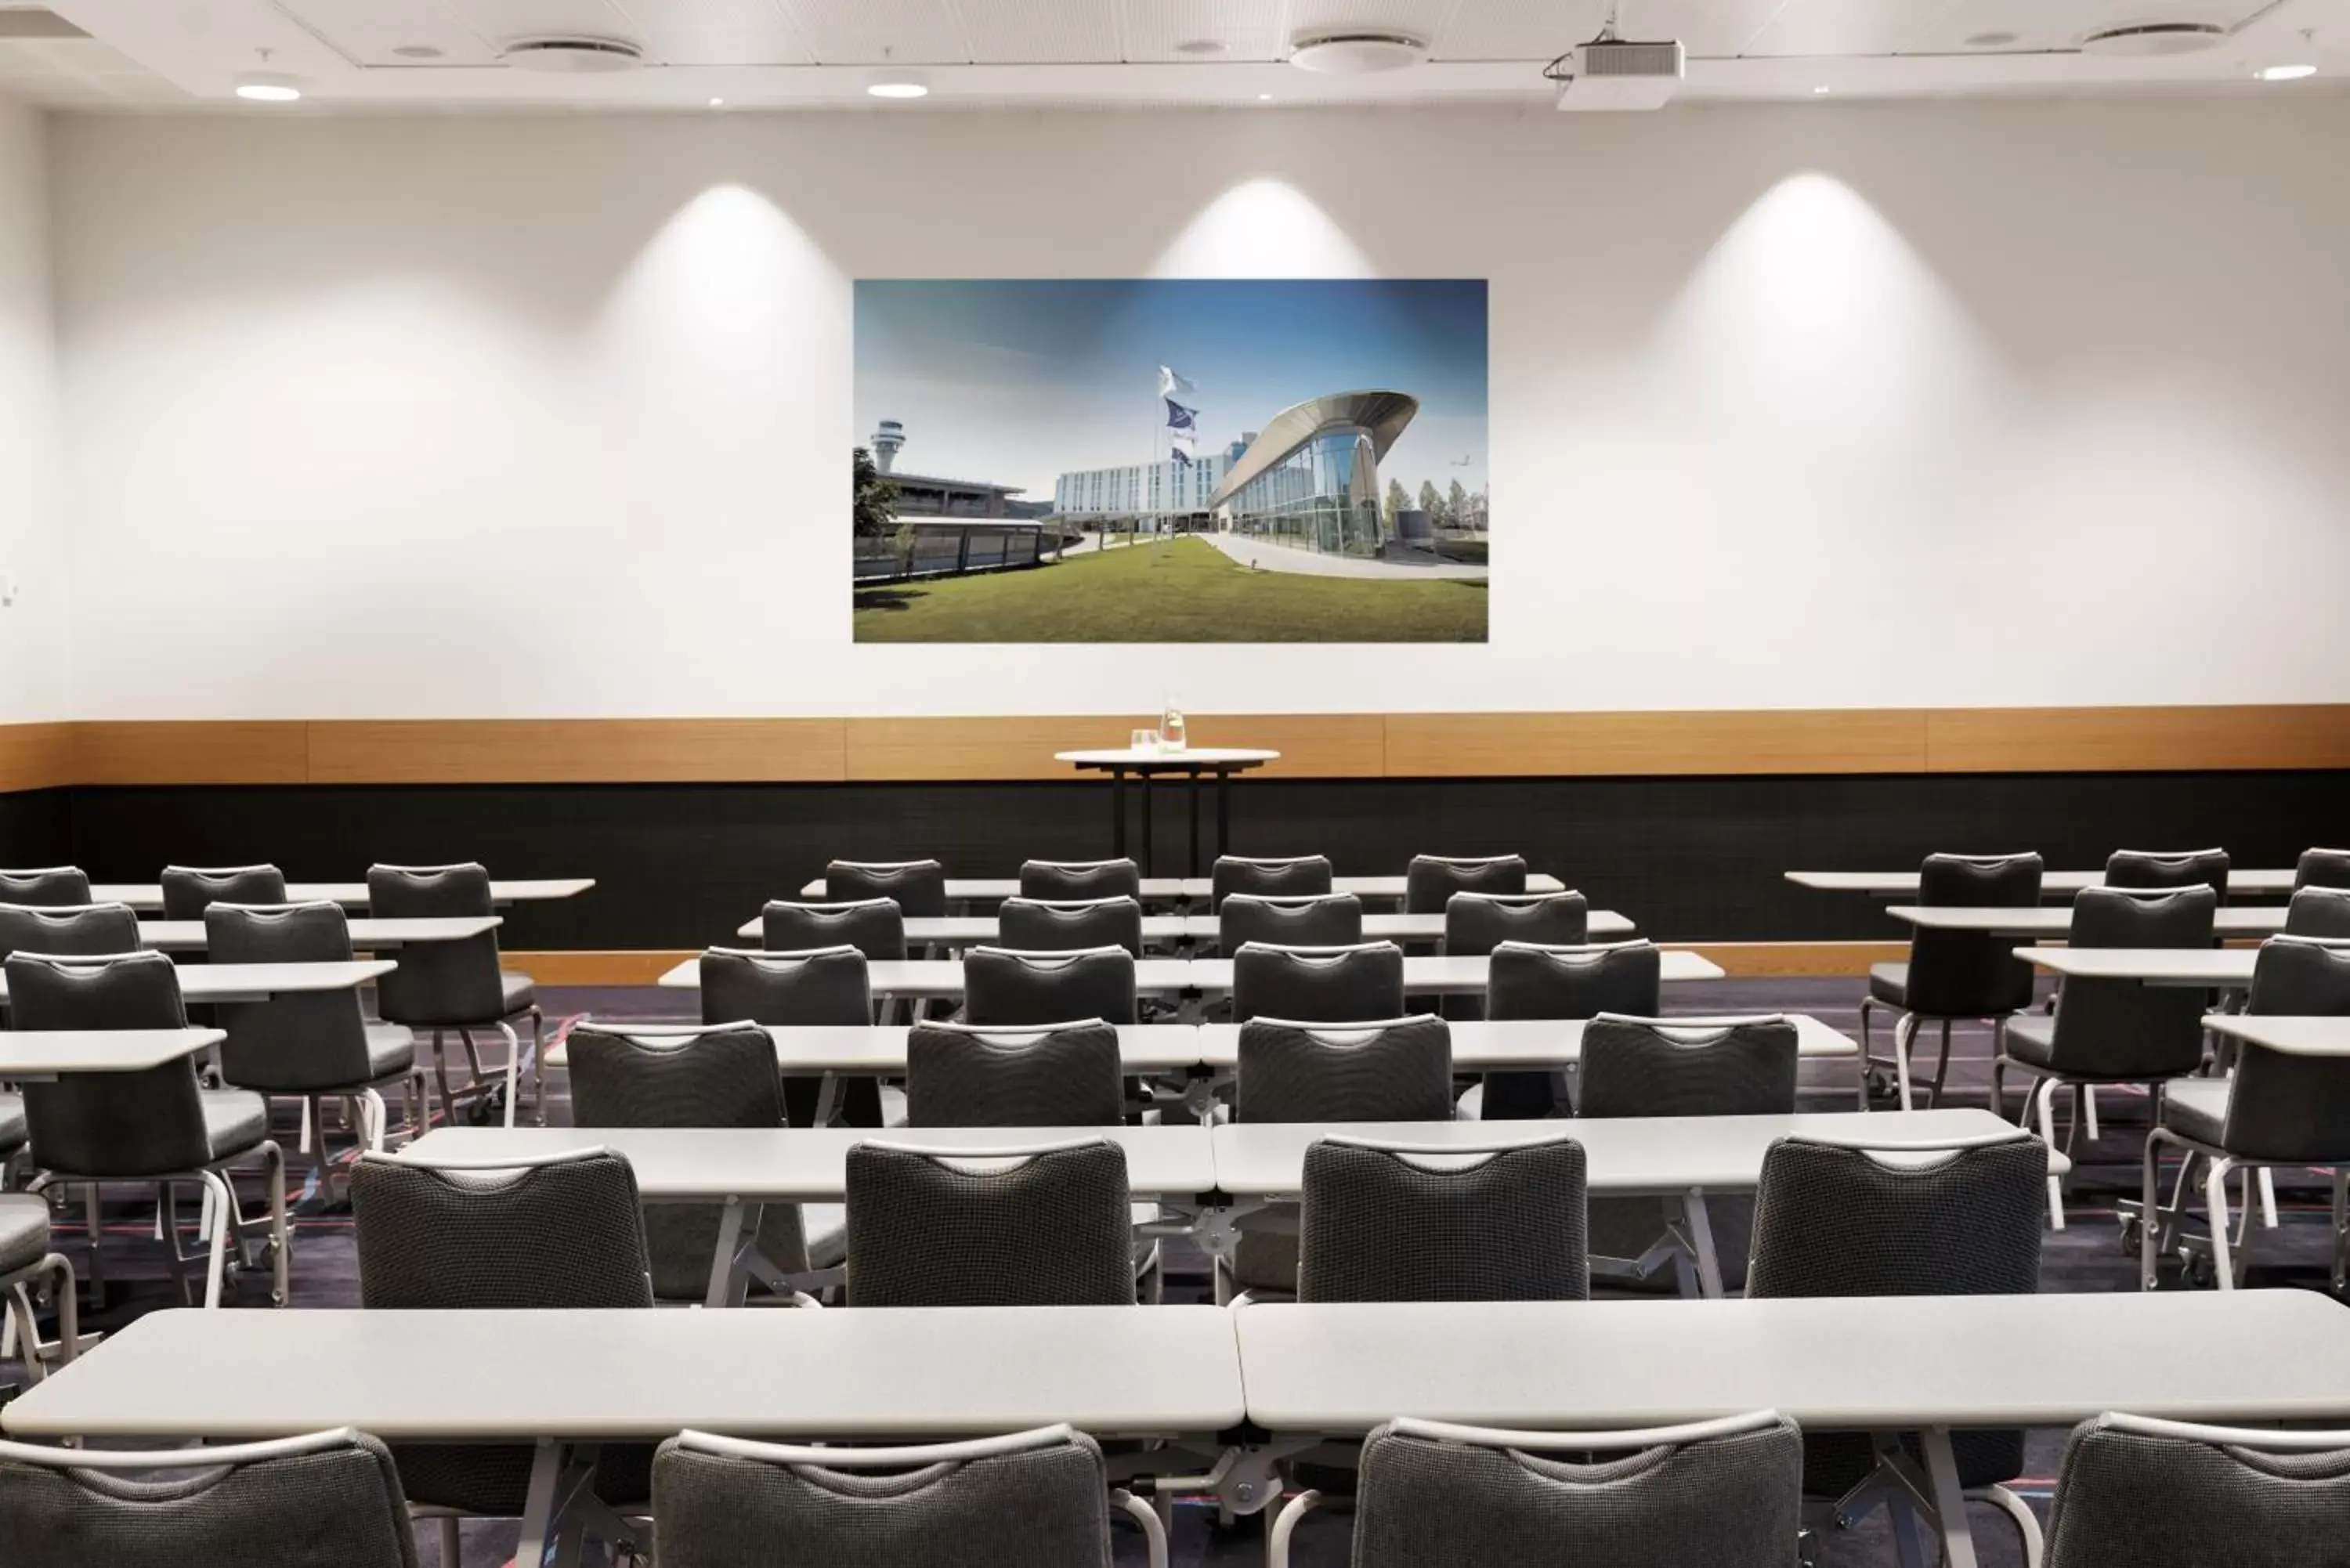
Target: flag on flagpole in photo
[1169,384]
[1179,447]
[1179,418]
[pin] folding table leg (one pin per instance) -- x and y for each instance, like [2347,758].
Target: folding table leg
[1700,1231]
[538,1507]
[721,1260]
[1950,1502]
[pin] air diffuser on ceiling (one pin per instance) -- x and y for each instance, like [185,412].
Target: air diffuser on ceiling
[2155,39]
[1357,54]
[572,57]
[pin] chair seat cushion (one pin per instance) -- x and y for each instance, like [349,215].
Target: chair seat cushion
[1889,983]
[24,1231]
[2031,1037]
[826,1226]
[391,1048]
[520,992]
[235,1121]
[2196,1108]
[13,1133]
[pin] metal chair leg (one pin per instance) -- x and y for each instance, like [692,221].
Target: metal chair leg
[2027,1524]
[2215,1206]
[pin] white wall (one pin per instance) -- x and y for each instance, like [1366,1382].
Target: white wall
[33,645]
[1825,405]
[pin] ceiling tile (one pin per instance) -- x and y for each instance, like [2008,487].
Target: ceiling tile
[1846,26]
[499,22]
[878,32]
[370,31]
[1149,30]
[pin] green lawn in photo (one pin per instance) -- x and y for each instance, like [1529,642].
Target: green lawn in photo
[1179,590]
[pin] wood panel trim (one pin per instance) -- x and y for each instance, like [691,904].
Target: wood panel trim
[2127,740]
[565,750]
[603,966]
[37,756]
[190,752]
[1312,745]
[1792,740]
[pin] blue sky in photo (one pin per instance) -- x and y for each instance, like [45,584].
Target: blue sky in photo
[1019,381]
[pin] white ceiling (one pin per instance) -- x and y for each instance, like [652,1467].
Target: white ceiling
[186,54]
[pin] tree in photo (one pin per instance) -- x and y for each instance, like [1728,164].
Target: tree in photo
[1397,502]
[1433,504]
[876,506]
[1456,505]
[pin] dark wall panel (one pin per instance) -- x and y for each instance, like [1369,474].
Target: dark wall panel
[36,828]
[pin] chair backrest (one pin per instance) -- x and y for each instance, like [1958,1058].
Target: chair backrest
[1957,1218]
[2322,868]
[874,927]
[1384,1221]
[1387,1070]
[1724,1493]
[122,1125]
[1480,922]
[823,986]
[438,984]
[1015,1501]
[1525,979]
[1687,1067]
[2120,1028]
[1034,925]
[2283,1107]
[1971,974]
[1010,985]
[1058,881]
[1295,877]
[919,886]
[84,929]
[188,890]
[288,1045]
[2132,1491]
[2318,912]
[46,887]
[1430,880]
[325,1498]
[1313,921]
[1048,1225]
[1046,1075]
[559,1232]
[2307,976]
[2160,868]
[1349,984]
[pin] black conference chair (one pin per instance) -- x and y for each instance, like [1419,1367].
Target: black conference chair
[2318,912]
[1051,1076]
[1382,1221]
[1681,1067]
[2144,868]
[1063,881]
[26,1263]
[874,927]
[1020,1501]
[824,988]
[153,1126]
[46,887]
[1041,1225]
[1004,985]
[1347,985]
[1033,925]
[1952,976]
[2110,1031]
[688,1075]
[83,930]
[325,1498]
[459,986]
[190,890]
[2134,1493]
[1528,980]
[558,1231]
[1726,1493]
[316,1046]
[1295,877]
[1311,920]
[1961,1218]
[1430,880]
[919,886]
[2322,868]
[1480,922]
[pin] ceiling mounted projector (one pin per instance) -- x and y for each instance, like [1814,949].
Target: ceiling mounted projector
[1610,73]
[1355,53]
[2155,39]
[572,57]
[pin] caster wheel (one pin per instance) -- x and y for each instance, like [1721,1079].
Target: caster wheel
[2200,1273]
[277,1298]
[2133,1235]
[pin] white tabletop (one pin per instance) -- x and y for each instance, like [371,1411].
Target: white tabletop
[1163,889]
[1163,757]
[881,1048]
[2225,967]
[2290,1037]
[963,930]
[1451,975]
[1622,1155]
[810,1164]
[2057,920]
[943,977]
[1534,1044]
[906,1372]
[2274,882]
[366,934]
[260,981]
[353,895]
[1989,1361]
[43,1054]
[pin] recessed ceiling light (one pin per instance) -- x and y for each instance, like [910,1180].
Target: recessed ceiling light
[2292,73]
[1264,97]
[718,103]
[1991,40]
[1200,47]
[262,88]
[417,52]
[1819,92]
[897,87]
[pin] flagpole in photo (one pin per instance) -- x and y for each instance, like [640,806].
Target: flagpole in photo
[1182,421]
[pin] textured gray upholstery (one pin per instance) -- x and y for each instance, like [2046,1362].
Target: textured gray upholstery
[1039,1508]
[1430,880]
[973,1075]
[1832,1220]
[1479,922]
[2197,1107]
[335,1508]
[2279,1108]
[561,1234]
[2133,1500]
[1348,985]
[441,984]
[1527,980]
[1889,983]
[2157,868]
[23,1232]
[1730,1502]
[1311,920]
[1052,1230]
[2119,1029]
[825,986]
[1295,877]
[48,886]
[1971,974]
[722,1077]
[1032,925]
[1657,1067]
[2301,975]
[189,890]
[1378,1224]
[2319,912]
[13,1133]
[874,927]
[295,1044]
[1002,985]
[80,931]
[2322,868]
[516,993]
[391,1048]
[1059,880]
[919,886]
[1389,1070]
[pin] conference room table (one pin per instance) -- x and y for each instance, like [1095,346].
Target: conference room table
[368,934]
[966,931]
[2206,969]
[211,983]
[41,1055]
[1181,889]
[2055,920]
[148,896]
[2276,882]
[2288,1034]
